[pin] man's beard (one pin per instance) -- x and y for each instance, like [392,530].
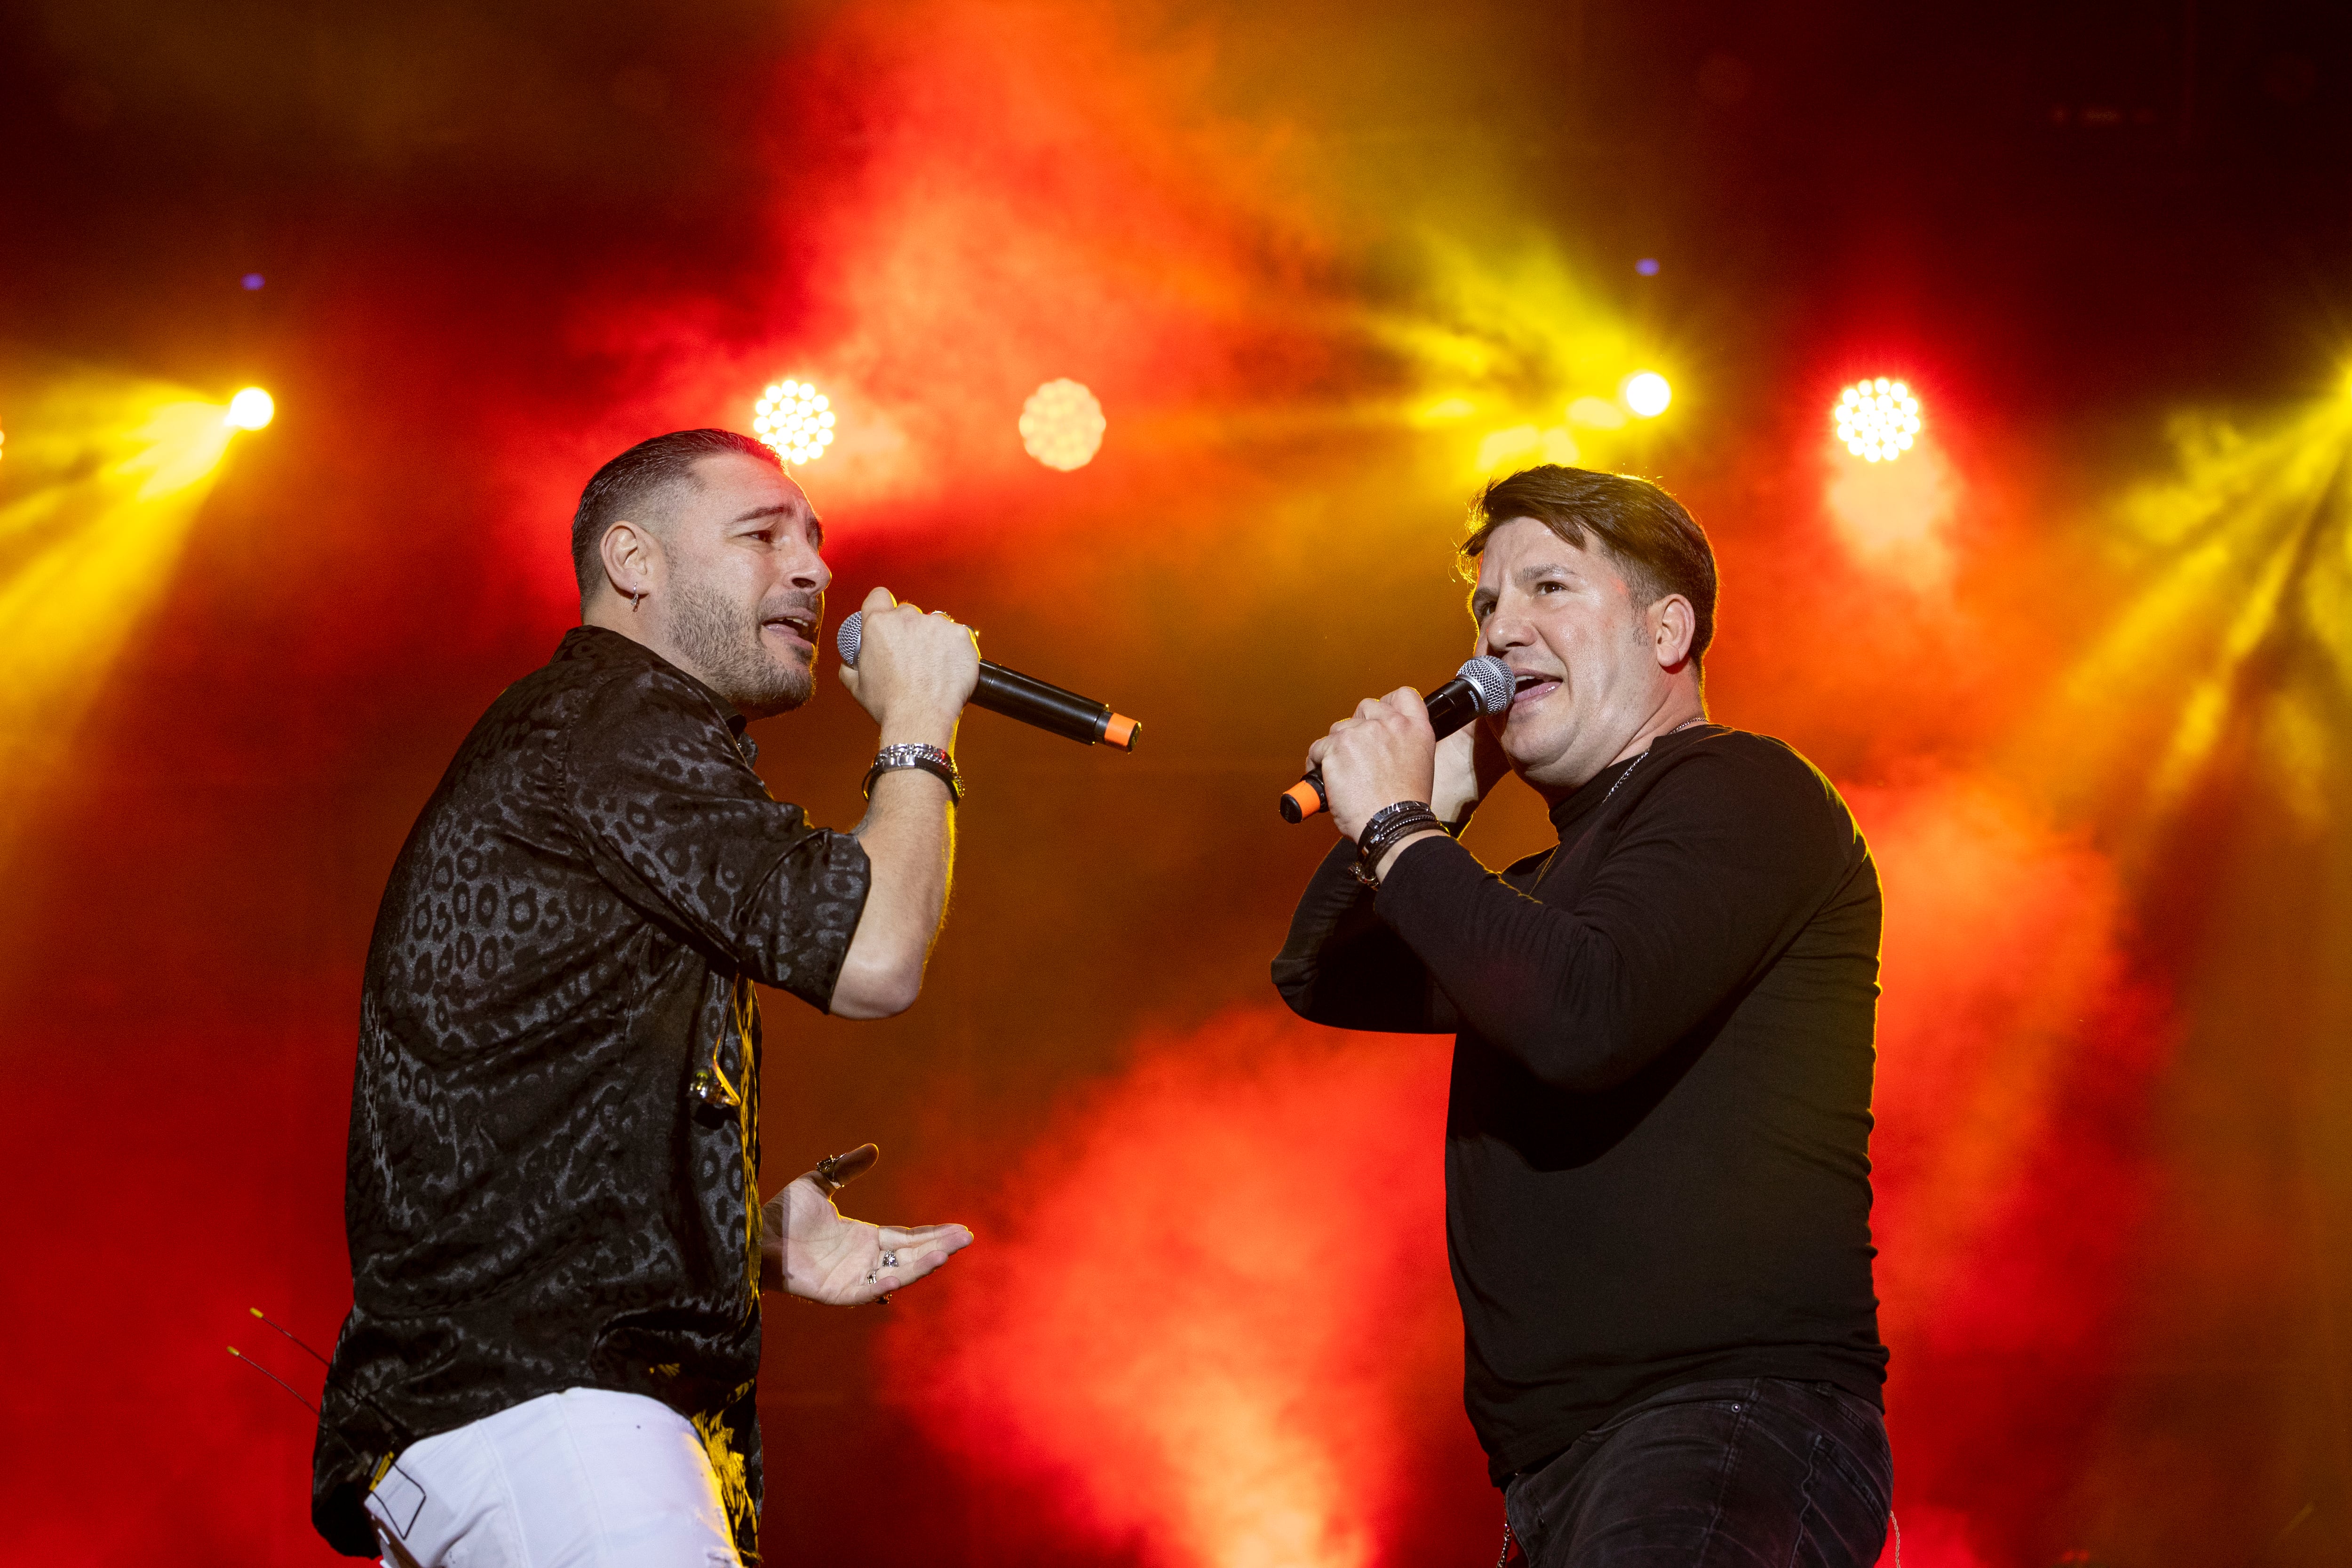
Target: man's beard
[726,644]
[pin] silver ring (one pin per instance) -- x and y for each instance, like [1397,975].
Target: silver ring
[889,1260]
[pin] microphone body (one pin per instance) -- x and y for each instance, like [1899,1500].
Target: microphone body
[1481,687]
[1024,697]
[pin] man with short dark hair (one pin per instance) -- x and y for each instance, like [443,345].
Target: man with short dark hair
[558,1246]
[1657,1145]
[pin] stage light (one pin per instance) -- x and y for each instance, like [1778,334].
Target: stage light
[250,409]
[1878,419]
[1646,392]
[1647,266]
[252,280]
[795,419]
[1062,424]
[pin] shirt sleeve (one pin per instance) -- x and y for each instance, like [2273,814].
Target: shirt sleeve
[1714,870]
[676,820]
[1342,967]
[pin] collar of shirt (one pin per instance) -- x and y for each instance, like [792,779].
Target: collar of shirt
[600,644]
[1587,796]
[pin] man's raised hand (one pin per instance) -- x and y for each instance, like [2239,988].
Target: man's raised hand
[1385,754]
[1470,763]
[914,672]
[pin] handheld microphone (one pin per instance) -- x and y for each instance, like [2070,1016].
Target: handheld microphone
[1023,697]
[1480,687]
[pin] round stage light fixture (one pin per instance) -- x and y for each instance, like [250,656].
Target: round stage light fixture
[795,419]
[250,409]
[1646,392]
[1878,419]
[1062,424]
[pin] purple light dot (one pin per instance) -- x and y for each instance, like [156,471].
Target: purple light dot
[252,280]
[1647,266]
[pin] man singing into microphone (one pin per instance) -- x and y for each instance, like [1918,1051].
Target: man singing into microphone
[558,1246]
[1657,1147]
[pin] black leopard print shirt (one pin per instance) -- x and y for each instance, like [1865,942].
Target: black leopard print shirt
[540,1195]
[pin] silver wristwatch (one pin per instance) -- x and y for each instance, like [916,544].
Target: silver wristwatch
[932,759]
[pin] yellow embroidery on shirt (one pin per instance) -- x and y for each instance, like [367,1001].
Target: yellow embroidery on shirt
[726,1466]
[743,1005]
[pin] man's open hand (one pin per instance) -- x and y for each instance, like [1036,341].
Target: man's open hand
[808,1248]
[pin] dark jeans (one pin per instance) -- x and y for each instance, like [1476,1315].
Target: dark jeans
[1749,1471]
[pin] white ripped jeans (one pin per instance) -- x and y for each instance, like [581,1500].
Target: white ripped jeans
[584,1479]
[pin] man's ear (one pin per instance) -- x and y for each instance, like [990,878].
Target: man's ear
[632,558]
[1673,625]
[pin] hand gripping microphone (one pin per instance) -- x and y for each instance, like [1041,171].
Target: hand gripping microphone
[1483,685]
[1018,696]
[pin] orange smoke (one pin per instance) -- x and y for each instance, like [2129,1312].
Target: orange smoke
[2016,1050]
[1895,518]
[1222,1317]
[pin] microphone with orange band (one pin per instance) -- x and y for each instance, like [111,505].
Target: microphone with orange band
[1023,697]
[1480,687]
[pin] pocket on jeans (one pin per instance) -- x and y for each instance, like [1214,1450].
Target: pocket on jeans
[1728,1396]
[1596,1436]
[1853,1418]
[1856,1475]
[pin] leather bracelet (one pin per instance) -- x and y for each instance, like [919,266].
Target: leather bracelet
[1383,822]
[1404,827]
[1385,829]
[932,759]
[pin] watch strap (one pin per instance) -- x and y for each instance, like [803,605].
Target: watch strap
[932,759]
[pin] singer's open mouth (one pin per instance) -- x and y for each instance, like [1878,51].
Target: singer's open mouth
[801,627]
[1526,688]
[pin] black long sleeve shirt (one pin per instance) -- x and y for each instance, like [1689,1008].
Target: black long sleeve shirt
[537,1198]
[1658,1143]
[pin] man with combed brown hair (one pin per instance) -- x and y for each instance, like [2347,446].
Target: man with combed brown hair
[1657,1146]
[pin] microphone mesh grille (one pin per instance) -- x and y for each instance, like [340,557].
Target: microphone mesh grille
[853,632]
[1492,679]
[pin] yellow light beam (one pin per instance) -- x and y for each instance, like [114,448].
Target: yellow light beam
[2238,624]
[117,468]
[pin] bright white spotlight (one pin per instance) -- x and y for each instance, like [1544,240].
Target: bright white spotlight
[1877,419]
[795,419]
[250,409]
[1062,424]
[1646,392]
